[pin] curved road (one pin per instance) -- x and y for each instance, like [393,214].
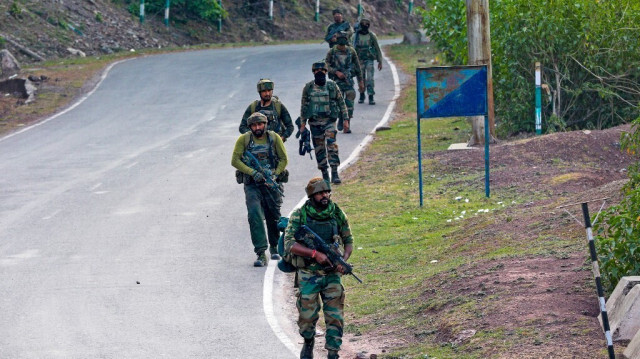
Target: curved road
[122,231]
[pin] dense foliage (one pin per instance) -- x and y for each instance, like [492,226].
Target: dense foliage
[589,51]
[208,10]
[618,230]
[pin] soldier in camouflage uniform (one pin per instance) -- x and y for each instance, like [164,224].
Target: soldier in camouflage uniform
[339,24]
[316,275]
[321,105]
[263,200]
[343,65]
[367,48]
[279,120]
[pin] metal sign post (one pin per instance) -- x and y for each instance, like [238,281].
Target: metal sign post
[166,13]
[455,91]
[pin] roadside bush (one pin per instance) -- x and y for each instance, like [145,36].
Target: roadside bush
[618,230]
[589,50]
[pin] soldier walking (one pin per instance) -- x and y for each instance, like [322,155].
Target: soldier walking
[343,65]
[279,120]
[260,159]
[321,105]
[368,50]
[339,24]
[317,276]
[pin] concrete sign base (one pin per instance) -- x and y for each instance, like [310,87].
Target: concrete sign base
[623,308]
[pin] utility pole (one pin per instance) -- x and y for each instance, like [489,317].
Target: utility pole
[479,39]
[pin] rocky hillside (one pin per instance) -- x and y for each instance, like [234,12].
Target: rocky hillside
[34,30]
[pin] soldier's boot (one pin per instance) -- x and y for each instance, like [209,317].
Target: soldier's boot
[333,354]
[334,175]
[274,253]
[361,99]
[340,124]
[261,261]
[347,126]
[325,175]
[371,101]
[307,349]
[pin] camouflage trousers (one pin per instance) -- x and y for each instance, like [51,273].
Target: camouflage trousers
[368,72]
[263,205]
[349,94]
[329,288]
[323,134]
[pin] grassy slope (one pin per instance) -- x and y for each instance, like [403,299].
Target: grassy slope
[407,254]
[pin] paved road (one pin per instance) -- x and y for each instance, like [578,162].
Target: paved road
[122,231]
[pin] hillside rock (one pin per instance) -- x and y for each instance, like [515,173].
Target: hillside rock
[8,64]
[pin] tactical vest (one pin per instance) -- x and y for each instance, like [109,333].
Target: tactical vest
[320,104]
[263,152]
[274,118]
[343,66]
[363,47]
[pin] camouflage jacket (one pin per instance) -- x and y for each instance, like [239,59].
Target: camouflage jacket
[345,61]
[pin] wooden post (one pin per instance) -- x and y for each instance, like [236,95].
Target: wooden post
[479,51]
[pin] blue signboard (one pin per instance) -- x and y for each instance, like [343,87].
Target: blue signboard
[452,91]
[455,91]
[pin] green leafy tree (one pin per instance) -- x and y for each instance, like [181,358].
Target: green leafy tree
[589,50]
[618,239]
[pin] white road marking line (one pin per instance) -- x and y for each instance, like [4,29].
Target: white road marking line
[267,290]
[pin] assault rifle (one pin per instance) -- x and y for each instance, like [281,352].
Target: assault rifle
[305,140]
[342,27]
[266,172]
[313,241]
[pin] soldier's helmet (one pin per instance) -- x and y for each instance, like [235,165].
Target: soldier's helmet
[265,84]
[317,185]
[365,21]
[256,117]
[319,65]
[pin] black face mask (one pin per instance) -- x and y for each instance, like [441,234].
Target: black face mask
[320,78]
[342,41]
[364,29]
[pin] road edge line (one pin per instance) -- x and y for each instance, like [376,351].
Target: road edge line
[74,105]
[267,292]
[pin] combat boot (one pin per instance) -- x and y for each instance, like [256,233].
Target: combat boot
[274,254]
[347,126]
[371,101]
[325,175]
[307,349]
[333,354]
[334,176]
[361,99]
[261,261]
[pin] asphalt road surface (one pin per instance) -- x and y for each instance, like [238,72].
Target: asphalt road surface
[123,233]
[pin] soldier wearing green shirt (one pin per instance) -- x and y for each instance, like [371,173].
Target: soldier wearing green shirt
[262,183]
[368,50]
[317,277]
[339,24]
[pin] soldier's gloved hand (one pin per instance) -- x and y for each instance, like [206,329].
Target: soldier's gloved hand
[379,66]
[258,177]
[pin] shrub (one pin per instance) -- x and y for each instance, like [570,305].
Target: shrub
[618,230]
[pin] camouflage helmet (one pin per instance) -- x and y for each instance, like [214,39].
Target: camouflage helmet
[336,11]
[364,20]
[319,65]
[256,117]
[317,185]
[265,84]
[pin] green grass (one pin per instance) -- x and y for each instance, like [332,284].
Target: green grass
[401,249]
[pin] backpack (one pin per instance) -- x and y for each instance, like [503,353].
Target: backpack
[285,264]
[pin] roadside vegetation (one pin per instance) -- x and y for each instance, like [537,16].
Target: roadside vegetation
[438,279]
